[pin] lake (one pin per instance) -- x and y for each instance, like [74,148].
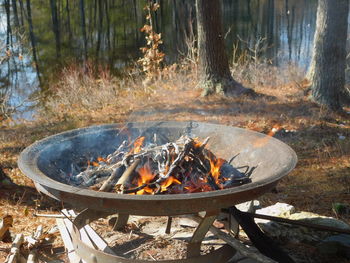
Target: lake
[44,36]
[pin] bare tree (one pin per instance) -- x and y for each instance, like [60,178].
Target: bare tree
[56,26]
[214,71]
[83,28]
[327,69]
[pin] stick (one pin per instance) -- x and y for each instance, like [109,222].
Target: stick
[32,257]
[34,240]
[128,172]
[188,146]
[108,184]
[14,253]
[205,142]
[135,190]
[50,215]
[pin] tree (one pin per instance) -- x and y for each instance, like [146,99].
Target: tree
[214,71]
[327,70]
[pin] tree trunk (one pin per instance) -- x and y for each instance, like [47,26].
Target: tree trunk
[214,71]
[83,30]
[70,35]
[8,23]
[56,26]
[33,40]
[15,13]
[100,27]
[327,68]
[22,11]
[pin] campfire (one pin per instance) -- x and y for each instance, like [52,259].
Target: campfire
[149,169]
[183,166]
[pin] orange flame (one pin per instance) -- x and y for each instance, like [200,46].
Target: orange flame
[193,182]
[263,141]
[197,143]
[169,181]
[101,159]
[95,164]
[145,177]
[138,145]
[215,165]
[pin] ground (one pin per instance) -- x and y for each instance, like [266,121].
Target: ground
[320,138]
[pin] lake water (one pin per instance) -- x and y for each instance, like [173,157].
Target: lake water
[43,36]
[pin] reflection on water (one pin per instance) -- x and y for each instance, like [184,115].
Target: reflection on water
[45,35]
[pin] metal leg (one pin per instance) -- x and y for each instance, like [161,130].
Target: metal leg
[194,246]
[121,221]
[168,225]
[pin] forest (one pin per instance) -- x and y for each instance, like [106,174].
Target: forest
[279,68]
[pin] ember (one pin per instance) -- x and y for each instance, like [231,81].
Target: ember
[183,166]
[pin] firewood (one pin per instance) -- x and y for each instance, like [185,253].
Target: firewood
[33,241]
[108,184]
[33,256]
[15,249]
[175,165]
[186,160]
[5,225]
[113,156]
[49,215]
[125,177]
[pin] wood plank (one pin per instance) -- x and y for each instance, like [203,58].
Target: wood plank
[83,234]
[67,240]
[98,241]
[14,255]
[69,226]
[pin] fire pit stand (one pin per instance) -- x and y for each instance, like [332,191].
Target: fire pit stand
[91,255]
[48,163]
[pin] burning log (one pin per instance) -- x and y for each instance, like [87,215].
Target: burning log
[124,178]
[183,166]
[108,184]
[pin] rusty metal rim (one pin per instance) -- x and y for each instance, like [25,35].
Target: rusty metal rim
[28,159]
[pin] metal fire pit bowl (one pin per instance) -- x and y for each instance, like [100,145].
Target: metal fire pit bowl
[47,160]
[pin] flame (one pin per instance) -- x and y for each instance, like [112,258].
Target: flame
[215,168]
[274,129]
[95,164]
[263,141]
[215,165]
[191,180]
[197,185]
[197,143]
[169,181]
[138,145]
[146,176]
[101,159]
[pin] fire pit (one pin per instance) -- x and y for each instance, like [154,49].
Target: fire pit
[48,161]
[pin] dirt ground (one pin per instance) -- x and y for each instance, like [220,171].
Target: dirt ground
[321,140]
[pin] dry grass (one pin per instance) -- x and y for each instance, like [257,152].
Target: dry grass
[81,99]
